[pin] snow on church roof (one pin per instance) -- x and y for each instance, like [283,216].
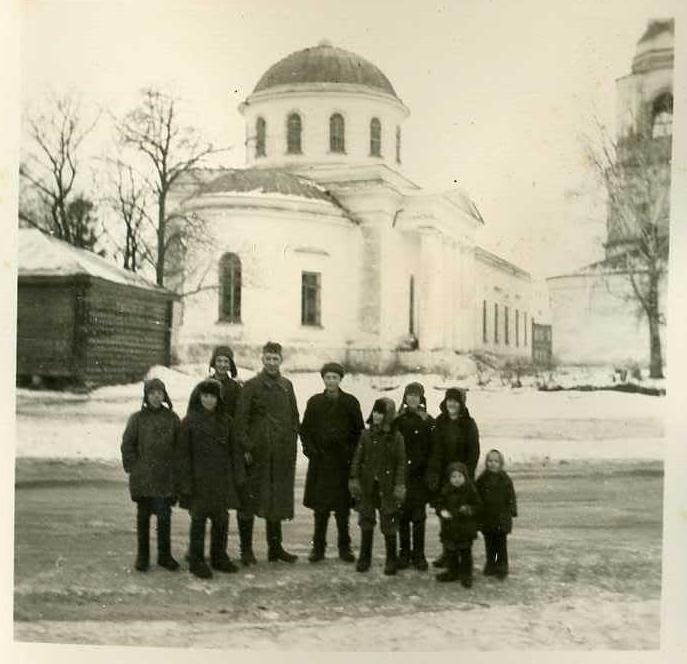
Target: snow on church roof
[267,181]
[40,255]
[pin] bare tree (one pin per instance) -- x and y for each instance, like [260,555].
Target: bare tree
[636,173]
[49,172]
[169,150]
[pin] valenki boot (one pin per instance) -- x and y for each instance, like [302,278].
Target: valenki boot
[319,540]
[418,555]
[466,568]
[275,550]
[164,543]
[391,563]
[197,565]
[219,541]
[365,555]
[142,563]
[452,572]
[246,541]
[404,543]
[344,539]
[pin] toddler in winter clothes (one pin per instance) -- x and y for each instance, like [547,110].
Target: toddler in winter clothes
[458,506]
[499,507]
[378,482]
[148,448]
[210,471]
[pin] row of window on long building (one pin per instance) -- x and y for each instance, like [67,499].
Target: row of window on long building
[519,325]
[337,136]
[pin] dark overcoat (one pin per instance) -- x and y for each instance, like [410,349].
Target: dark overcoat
[499,504]
[148,450]
[461,529]
[417,437]
[210,468]
[267,427]
[379,456]
[452,440]
[329,433]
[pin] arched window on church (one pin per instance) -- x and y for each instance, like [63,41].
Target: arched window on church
[662,115]
[398,145]
[230,288]
[375,138]
[336,133]
[294,129]
[260,133]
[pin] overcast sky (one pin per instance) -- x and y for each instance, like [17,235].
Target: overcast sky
[500,93]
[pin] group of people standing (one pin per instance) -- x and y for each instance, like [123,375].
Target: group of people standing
[236,449]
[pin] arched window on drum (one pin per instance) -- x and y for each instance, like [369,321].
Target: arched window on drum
[260,137]
[230,288]
[662,115]
[294,130]
[336,133]
[375,138]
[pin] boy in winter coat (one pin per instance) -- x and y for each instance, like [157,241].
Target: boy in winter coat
[455,438]
[148,448]
[210,471]
[499,506]
[330,431]
[378,474]
[458,506]
[415,425]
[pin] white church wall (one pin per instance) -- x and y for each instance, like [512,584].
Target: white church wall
[635,91]
[315,109]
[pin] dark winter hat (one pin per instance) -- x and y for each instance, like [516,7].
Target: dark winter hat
[155,384]
[332,367]
[455,394]
[225,351]
[387,407]
[207,386]
[210,386]
[380,406]
[457,466]
[272,347]
[414,388]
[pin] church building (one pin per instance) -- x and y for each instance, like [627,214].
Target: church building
[322,243]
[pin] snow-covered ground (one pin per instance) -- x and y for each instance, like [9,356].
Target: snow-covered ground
[527,425]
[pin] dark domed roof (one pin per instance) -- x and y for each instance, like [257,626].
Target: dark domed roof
[324,63]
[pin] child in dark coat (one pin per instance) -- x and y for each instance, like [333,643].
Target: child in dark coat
[415,425]
[148,448]
[378,476]
[210,474]
[499,507]
[458,507]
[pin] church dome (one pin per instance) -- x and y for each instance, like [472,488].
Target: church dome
[325,63]
[655,49]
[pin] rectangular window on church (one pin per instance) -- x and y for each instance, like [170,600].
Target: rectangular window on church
[484,321]
[517,327]
[524,327]
[505,326]
[411,312]
[496,323]
[310,298]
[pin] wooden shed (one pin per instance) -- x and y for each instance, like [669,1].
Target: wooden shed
[83,320]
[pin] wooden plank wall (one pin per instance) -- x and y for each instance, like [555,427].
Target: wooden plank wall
[125,331]
[45,329]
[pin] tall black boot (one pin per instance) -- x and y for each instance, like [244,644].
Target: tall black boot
[419,560]
[219,541]
[501,556]
[490,553]
[404,543]
[246,540]
[466,567]
[344,537]
[197,564]
[391,563]
[275,550]
[452,571]
[365,555]
[164,542]
[319,539]
[142,539]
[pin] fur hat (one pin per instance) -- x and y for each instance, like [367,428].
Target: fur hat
[332,367]
[155,384]
[455,394]
[225,351]
[387,407]
[417,389]
[207,386]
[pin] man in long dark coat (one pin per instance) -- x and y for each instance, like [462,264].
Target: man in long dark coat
[267,430]
[331,427]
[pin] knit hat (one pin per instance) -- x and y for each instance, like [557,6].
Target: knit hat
[332,367]
[272,347]
[155,384]
[225,351]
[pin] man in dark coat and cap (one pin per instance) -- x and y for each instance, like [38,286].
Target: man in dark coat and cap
[455,438]
[331,427]
[267,425]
